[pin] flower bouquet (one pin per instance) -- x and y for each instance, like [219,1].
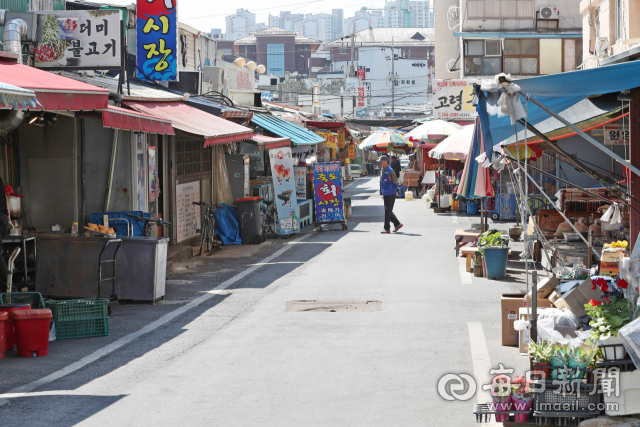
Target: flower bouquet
[580,353]
[560,360]
[521,398]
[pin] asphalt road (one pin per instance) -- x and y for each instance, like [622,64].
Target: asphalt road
[223,351]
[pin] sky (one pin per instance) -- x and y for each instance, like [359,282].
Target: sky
[205,15]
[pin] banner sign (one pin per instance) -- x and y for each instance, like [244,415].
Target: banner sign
[362,73]
[328,192]
[340,138]
[301,182]
[362,113]
[616,135]
[157,45]
[330,138]
[284,188]
[352,151]
[361,102]
[79,38]
[453,99]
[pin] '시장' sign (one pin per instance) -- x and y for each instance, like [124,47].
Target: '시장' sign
[157,50]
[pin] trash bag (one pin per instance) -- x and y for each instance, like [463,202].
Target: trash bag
[227,225]
[564,321]
[629,336]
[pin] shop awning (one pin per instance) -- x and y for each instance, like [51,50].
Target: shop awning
[325,125]
[283,128]
[269,142]
[120,118]
[54,92]
[213,129]
[13,97]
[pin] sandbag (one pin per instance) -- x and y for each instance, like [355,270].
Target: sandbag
[581,226]
[596,230]
[227,225]
[565,227]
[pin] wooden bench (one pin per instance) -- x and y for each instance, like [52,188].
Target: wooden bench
[469,251]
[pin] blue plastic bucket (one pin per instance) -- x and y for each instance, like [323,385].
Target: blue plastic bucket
[472,208]
[495,261]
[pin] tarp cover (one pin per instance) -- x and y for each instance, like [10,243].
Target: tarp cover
[227,225]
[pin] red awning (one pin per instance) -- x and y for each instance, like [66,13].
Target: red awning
[213,129]
[324,125]
[120,118]
[55,92]
[270,142]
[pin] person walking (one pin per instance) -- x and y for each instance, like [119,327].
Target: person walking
[396,166]
[388,186]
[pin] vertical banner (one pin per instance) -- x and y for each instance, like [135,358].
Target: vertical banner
[340,138]
[284,188]
[362,73]
[352,151]
[157,46]
[328,192]
[301,182]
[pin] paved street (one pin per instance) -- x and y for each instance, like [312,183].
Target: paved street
[223,351]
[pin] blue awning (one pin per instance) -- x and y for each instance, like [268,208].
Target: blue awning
[280,127]
[558,92]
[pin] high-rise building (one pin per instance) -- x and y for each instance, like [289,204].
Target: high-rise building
[316,26]
[337,23]
[240,24]
[364,19]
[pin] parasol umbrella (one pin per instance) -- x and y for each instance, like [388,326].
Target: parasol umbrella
[383,140]
[433,129]
[475,181]
[455,146]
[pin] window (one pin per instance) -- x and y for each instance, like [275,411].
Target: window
[482,57]
[413,82]
[521,56]
[274,82]
[275,59]
[191,157]
[402,82]
[571,54]
[620,30]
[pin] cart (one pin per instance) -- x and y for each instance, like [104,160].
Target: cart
[113,298]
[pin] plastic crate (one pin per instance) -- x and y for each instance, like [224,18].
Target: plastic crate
[483,412]
[566,403]
[80,318]
[32,298]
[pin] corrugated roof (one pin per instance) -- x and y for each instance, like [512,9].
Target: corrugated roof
[275,31]
[138,92]
[285,129]
[385,36]
[210,106]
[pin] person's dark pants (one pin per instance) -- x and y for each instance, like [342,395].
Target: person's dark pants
[389,216]
[4,271]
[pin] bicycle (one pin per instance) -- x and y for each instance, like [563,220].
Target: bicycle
[146,229]
[269,218]
[208,229]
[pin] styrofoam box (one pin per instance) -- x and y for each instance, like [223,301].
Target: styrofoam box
[629,399]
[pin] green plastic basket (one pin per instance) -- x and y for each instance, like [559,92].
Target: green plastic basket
[32,298]
[80,318]
[82,328]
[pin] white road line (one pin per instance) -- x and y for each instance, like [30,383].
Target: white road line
[465,278]
[149,328]
[481,363]
[454,218]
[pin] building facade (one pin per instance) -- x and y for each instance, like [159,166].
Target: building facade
[240,24]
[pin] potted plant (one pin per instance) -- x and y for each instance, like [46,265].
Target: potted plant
[560,360]
[580,355]
[607,317]
[494,247]
[521,398]
[541,353]
[501,393]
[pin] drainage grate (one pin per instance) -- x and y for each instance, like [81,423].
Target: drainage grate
[333,306]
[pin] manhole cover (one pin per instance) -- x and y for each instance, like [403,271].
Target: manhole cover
[333,306]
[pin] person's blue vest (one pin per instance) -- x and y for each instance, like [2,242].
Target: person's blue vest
[387,187]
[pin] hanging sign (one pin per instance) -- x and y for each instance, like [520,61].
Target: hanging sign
[352,151]
[616,135]
[157,44]
[362,72]
[328,192]
[80,39]
[330,138]
[453,99]
[300,174]
[340,138]
[361,101]
[284,188]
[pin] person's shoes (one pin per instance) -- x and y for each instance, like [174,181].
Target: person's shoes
[385,232]
[397,228]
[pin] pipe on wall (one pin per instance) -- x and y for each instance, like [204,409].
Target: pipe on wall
[11,121]
[14,31]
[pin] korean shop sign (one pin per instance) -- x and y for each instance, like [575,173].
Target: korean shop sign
[340,138]
[157,49]
[616,135]
[328,192]
[452,99]
[89,39]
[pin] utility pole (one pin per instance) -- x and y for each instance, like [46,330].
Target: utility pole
[393,81]
[353,50]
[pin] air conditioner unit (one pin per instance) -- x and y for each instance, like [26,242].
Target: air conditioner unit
[602,47]
[215,76]
[549,12]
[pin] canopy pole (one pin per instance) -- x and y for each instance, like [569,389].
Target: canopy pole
[586,137]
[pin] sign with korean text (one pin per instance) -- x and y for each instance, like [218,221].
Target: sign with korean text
[157,44]
[328,192]
[616,135]
[79,38]
[362,73]
[352,151]
[188,214]
[284,188]
[597,132]
[301,182]
[330,138]
[361,100]
[452,99]
[362,113]
[340,138]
